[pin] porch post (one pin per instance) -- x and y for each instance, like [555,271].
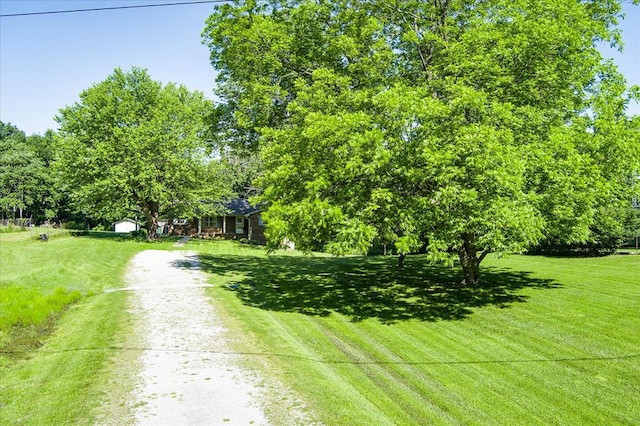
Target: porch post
[224,224]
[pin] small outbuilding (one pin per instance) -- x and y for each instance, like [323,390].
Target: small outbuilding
[126,225]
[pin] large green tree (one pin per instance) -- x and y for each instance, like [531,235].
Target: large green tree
[469,126]
[131,145]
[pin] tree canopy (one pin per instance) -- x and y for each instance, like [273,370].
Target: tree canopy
[133,146]
[467,127]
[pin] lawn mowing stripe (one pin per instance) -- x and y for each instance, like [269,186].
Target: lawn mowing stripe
[521,385]
[431,345]
[327,369]
[298,334]
[472,376]
[384,361]
[401,401]
[462,371]
[518,376]
[422,364]
[562,329]
[305,349]
[438,398]
[526,339]
[553,369]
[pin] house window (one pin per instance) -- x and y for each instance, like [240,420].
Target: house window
[260,221]
[239,225]
[211,222]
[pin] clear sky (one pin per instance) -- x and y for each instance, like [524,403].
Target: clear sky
[47,60]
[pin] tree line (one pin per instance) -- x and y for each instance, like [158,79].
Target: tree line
[27,186]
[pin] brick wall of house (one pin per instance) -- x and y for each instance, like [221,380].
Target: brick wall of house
[257,230]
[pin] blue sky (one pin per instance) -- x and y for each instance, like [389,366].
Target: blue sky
[47,60]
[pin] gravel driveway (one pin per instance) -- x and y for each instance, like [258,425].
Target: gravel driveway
[186,373]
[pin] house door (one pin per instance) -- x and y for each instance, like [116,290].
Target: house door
[239,225]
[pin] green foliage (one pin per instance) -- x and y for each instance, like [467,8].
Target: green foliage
[80,226]
[468,128]
[139,233]
[133,145]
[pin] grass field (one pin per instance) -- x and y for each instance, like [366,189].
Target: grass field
[56,325]
[544,341]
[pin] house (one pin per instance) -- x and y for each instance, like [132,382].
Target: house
[239,220]
[126,225]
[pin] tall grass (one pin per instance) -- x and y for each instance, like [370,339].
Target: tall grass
[11,228]
[23,306]
[543,341]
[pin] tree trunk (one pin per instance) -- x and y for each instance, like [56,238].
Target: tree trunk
[151,215]
[469,260]
[401,258]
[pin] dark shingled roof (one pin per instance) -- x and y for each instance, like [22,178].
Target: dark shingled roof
[240,207]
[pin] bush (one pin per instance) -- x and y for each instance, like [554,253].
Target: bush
[249,242]
[74,225]
[139,233]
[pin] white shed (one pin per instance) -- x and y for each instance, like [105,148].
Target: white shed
[126,225]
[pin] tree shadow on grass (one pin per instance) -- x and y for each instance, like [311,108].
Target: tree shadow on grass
[365,287]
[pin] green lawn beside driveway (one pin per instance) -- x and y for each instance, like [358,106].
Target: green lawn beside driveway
[57,327]
[543,341]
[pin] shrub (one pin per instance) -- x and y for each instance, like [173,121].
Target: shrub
[139,233]
[74,225]
[249,242]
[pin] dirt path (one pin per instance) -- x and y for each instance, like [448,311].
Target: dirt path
[187,374]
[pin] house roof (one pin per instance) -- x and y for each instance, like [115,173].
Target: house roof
[126,219]
[240,207]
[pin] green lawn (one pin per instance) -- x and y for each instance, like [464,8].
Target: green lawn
[57,328]
[544,341]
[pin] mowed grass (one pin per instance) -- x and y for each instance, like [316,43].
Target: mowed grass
[53,355]
[543,341]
